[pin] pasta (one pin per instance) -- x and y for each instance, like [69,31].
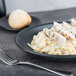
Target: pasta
[59,40]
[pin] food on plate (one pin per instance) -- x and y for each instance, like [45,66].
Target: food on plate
[58,40]
[19,19]
[73,22]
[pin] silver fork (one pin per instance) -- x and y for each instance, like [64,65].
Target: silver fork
[10,61]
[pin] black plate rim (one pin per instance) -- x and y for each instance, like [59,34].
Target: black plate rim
[41,54]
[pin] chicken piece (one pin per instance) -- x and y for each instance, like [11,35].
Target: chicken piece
[66,25]
[67,34]
[70,28]
[46,31]
[57,25]
[73,22]
[73,31]
[60,29]
[58,38]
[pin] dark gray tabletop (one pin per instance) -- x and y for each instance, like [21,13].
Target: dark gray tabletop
[8,45]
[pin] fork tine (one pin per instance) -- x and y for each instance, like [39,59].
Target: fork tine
[2,54]
[7,59]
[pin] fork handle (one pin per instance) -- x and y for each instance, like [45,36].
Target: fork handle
[57,72]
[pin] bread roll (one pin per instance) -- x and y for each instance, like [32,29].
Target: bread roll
[19,19]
